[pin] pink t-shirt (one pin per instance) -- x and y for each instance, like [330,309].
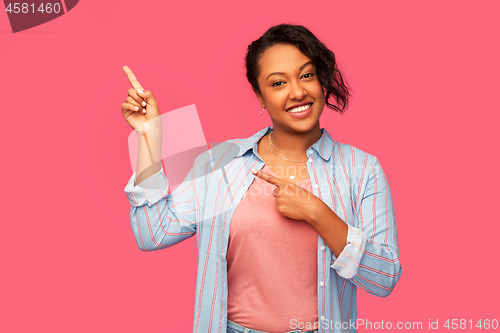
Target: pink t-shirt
[272,264]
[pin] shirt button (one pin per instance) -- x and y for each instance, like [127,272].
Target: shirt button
[310,151]
[322,318]
[322,283]
[310,160]
[316,186]
[322,247]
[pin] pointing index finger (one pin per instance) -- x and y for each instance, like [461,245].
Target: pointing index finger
[268,178]
[132,79]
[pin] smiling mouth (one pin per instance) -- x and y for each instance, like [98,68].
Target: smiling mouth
[299,109]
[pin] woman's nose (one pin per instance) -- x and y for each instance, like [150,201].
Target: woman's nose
[297,91]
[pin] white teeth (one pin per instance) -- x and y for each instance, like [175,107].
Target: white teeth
[299,109]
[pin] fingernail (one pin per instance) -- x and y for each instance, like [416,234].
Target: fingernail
[140,91]
[136,108]
[254,171]
[143,103]
[143,110]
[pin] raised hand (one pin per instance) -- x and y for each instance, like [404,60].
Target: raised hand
[140,107]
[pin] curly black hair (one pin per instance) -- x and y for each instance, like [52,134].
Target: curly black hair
[323,59]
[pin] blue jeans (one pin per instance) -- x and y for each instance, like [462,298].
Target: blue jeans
[232,327]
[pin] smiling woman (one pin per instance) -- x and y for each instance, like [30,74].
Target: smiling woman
[289,223]
[293,92]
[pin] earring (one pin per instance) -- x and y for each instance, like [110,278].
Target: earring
[261,111]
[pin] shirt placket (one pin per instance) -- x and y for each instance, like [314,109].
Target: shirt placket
[314,177]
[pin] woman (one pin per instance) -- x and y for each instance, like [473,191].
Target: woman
[289,223]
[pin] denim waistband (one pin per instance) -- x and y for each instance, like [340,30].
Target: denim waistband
[242,329]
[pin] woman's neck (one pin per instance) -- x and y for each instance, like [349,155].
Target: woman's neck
[295,142]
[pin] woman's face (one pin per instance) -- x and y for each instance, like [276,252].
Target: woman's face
[287,78]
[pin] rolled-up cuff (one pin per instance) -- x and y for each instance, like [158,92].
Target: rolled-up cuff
[347,264]
[150,191]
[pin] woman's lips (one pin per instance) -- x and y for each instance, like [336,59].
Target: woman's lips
[301,114]
[299,106]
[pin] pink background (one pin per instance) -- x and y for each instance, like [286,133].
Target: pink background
[425,80]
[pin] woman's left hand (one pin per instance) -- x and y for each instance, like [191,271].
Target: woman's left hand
[292,200]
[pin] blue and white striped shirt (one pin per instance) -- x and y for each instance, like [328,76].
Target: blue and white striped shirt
[351,182]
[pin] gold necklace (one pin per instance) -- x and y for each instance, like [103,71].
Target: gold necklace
[292,177]
[286,159]
[269,139]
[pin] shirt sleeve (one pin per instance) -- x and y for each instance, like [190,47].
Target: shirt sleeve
[159,219]
[370,258]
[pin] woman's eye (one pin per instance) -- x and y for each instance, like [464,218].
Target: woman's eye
[276,84]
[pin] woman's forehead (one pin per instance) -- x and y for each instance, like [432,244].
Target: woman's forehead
[282,58]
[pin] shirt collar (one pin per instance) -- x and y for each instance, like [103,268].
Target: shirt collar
[323,147]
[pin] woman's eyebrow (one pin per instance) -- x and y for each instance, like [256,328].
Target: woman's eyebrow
[281,73]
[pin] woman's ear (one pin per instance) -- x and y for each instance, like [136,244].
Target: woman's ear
[261,100]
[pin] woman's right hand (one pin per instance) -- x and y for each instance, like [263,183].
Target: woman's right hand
[140,109]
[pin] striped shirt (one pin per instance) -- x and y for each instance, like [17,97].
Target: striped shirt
[351,182]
